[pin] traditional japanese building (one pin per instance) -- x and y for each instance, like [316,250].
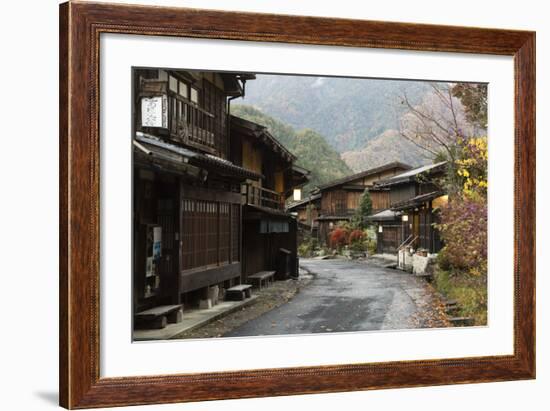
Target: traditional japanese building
[307,211]
[340,198]
[269,231]
[408,205]
[198,174]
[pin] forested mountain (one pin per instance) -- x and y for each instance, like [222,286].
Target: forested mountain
[348,112]
[311,149]
[385,148]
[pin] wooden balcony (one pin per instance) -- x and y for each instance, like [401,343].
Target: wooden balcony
[262,197]
[195,126]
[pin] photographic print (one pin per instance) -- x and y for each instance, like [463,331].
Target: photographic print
[276,204]
[259,188]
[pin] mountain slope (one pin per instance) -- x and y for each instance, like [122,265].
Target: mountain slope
[310,148]
[349,112]
[385,148]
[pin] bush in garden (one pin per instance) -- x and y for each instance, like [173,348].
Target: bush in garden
[463,229]
[338,237]
[356,236]
[304,250]
[308,246]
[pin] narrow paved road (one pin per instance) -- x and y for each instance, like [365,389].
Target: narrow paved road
[347,295]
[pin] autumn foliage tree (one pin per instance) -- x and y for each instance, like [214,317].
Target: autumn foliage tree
[463,224]
[449,124]
[464,231]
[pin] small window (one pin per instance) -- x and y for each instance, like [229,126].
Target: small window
[194,95]
[173,84]
[183,90]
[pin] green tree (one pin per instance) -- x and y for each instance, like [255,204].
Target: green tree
[363,211]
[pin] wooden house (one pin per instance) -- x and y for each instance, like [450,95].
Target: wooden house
[307,211]
[408,210]
[189,177]
[269,231]
[340,198]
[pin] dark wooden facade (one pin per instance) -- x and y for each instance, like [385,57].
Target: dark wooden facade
[413,199]
[340,198]
[187,190]
[269,232]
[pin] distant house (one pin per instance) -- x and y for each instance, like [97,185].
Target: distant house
[340,198]
[209,189]
[408,208]
[307,210]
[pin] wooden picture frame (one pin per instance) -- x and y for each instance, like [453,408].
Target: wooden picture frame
[80,27]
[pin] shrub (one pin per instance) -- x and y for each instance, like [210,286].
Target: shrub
[308,246]
[356,236]
[339,237]
[304,250]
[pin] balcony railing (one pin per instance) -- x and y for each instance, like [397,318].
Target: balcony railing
[263,197]
[193,124]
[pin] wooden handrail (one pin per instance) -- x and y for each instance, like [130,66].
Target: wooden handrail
[407,242]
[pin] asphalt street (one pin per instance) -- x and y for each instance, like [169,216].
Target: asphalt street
[345,295]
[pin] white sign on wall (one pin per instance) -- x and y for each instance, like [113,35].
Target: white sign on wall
[154,112]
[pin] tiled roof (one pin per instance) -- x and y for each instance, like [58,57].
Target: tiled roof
[363,174]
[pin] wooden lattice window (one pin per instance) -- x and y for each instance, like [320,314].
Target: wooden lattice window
[235,231]
[209,215]
[225,232]
[208,233]
[340,202]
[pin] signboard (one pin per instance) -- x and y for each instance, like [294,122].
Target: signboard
[154,111]
[157,242]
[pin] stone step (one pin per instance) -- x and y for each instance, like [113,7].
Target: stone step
[461,321]
[452,309]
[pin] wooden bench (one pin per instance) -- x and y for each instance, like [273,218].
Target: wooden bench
[159,317]
[238,292]
[263,277]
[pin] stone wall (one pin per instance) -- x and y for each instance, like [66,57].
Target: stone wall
[423,265]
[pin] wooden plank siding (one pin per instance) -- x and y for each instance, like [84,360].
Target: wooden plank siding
[251,157]
[335,202]
[380,200]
